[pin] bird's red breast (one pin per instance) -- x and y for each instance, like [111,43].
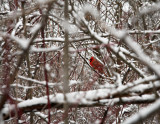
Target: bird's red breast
[97,65]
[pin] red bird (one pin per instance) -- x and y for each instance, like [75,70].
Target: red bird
[97,65]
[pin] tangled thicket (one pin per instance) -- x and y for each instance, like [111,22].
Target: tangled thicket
[45,47]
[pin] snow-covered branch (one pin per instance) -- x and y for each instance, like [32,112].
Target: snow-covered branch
[75,99]
[144,113]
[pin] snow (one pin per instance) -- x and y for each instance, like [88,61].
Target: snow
[126,7]
[21,86]
[21,41]
[54,39]
[124,50]
[79,98]
[118,79]
[142,87]
[47,66]
[35,28]
[130,108]
[143,113]
[40,2]
[150,8]
[143,32]
[36,81]
[143,57]
[135,47]
[73,82]
[79,16]
[91,9]
[122,55]
[70,28]
[41,115]
[152,42]
[119,51]
[106,96]
[118,33]
[66,25]
[50,49]
[7,108]
[99,38]
[50,84]
[123,88]
[74,97]
[34,101]
[16,27]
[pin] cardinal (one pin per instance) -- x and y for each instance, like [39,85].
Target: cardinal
[97,65]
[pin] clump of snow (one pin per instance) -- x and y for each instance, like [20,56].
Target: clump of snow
[47,66]
[88,8]
[73,82]
[69,8]
[21,41]
[52,75]
[52,48]
[97,122]
[66,24]
[118,79]
[119,33]
[126,7]
[35,28]
[69,27]
[56,39]
[41,2]
[16,27]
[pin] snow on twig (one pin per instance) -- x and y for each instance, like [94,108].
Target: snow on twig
[20,41]
[144,113]
[137,49]
[49,49]
[50,84]
[75,99]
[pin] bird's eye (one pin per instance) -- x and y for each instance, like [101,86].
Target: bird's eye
[91,60]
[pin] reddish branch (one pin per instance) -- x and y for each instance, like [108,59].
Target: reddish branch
[44,59]
[46,78]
